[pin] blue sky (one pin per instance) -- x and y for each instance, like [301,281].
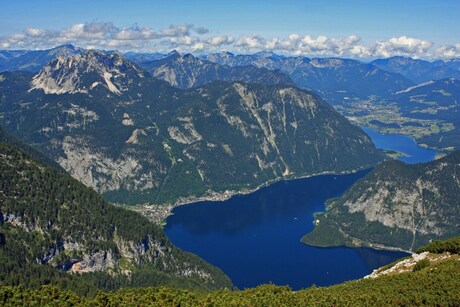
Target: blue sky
[429,28]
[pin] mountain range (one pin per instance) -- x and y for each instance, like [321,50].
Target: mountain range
[84,127]
[138,139]
[417,70]
[436,101]
[186,71]
[52,225]
[332,78]
[33,60]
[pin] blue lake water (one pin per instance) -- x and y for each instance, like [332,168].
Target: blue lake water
[255,238]
[401,143]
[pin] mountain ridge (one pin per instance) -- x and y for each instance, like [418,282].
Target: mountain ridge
[66,74]
[333,78]
[428,278]
[163,140]
[187,71]
[51,224]
[417,70]
[33,60]
[396,205]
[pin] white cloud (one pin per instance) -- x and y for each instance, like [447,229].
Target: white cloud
[314,45]
[176,30]
[272,44]
[101,35]
[220,40]
[35,32]
[198,47]
[360,51]
[188,38]
[136,33]
[403,45]
[253,42]
[448,51]
[308,45]
[179,41]
[89,31]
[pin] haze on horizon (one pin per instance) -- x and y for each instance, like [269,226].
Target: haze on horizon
[358,29]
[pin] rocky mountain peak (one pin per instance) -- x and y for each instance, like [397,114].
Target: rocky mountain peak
[265,54]
[65,50]
[84,72]
[327,62]
[173,53]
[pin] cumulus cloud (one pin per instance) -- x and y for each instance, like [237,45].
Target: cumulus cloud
[302,45]
[220,40]
[254,42]
[448,51]
[136,33]
[189,38]
[176,30]
[90,31]
[34,32]
[402,45]
[99,35]
[360,51]
[198,47]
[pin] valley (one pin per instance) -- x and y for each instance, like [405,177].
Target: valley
[260,228]
[247,234]
[137,139]
[239,159]
[386,117]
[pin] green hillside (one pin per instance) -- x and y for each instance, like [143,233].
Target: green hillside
[434,285]
[54,230]
[396,205]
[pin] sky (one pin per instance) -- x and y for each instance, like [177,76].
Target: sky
[344,28]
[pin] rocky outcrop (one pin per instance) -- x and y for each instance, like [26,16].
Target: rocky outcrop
[396,205]
[329,76]
[84,72]
[148,142]
[408,264]
[187,71]
[50,219]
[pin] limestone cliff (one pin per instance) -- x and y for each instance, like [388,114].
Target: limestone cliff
[50,219]
[396,205]
[137,139]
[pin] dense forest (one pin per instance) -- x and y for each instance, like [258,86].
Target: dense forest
[50,224]
[395,205]
[149,142]
[436,284]
[7,138]
[62,244]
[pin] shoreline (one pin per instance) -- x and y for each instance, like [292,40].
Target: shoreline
[380,247]
[159,213]
[438,150]
[353,242]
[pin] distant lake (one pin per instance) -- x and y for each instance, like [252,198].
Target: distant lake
[401,143]
[255,238]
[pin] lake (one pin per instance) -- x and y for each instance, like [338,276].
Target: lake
[401,143]
[255,238]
